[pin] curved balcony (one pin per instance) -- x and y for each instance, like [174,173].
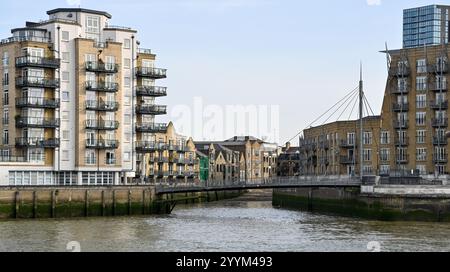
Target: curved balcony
[36,122]
[440,158]
[101,67]
[438,68]
[101,86]
[439,122]
[439,105]
[400,107]
[438,86]
[102,144]
[37,82]
[37,102]
[38,62]
[102,105]
[401,141]
[152,91]
[395,89]
[400,71]
[37,142]
[149,146]
[151,128]
[149,72]
[151,109]
[102,124]
[437,140]
[401,124]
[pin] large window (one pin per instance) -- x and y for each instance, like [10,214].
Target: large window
[421,136]
[421,154]
[421,83]
[421,118]
[93,27]
[385,137]
[421,101]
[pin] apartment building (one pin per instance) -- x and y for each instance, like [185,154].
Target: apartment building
[168,157]
[224,163]
[334,148]
[288,162]
[78,95]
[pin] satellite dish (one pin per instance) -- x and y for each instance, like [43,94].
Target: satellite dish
[70,15]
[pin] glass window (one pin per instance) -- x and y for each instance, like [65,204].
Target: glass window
[65,36]
[127,43]
[65,57]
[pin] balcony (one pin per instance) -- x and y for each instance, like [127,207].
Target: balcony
[439,140]
[101,105]
[37,143]
[402,159]
[38,62]
[347,144]
[151,128]
[37,102]
[400,71]
[101,86]
[102,124]
[439,122]
[102,144]
[440,158]
[37,82]
[348,160]
[148,146]
[438,68]
[159,159]
[400,107]
[110,161]
[401,124]
[36,122]
[438,86]
[151,109]
[395,89]
[152,91]
[180,174]
[439,105]
[402,141]
[100,67]
[149,72]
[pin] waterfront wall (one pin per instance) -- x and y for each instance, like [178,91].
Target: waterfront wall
[67,202]
[351,202]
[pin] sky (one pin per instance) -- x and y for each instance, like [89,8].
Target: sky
[284,61]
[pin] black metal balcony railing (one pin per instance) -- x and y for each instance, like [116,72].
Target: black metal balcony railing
[348,144]
[110,161]
[402,159]
[102,124]
[439,105]
[102,143]
[100,67]
[37,122]
[404,89]
[37,102]
[151,109]
[440,158]
[438,86]
[401,124]
[400,107]
[438,68]
[37,142]
[40,62]
[102,105]
[155,73]
[151,127]
[439,122]
[149,146]
[347,160]
[101,86]
[439,140]
[400,71]
[37,82]
[152,91]
[401,141]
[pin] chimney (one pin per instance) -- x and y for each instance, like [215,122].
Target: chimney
[288,145]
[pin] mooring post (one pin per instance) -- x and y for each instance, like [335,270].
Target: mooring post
[34,204]
[129,202]
[86,203]
[53,204]
[103,203]
[114,203]
[16,202]
[143,202]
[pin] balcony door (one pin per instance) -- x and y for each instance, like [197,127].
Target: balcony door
[33,54]
[33,96]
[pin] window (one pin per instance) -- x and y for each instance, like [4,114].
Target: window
[367,169]
[65,116]
[92,24]
[421,101]
[127,100]
[420,118]
[65,96]
[384,154]
[65,57]
[90,157]
[5,79]
[127,43]
[421,66]
[127,82]
[5,59]
[65,155]
[5,138]
[127,156]
[384,137]
[65,76]
[421,154]
[127,137]
[5,116]
[127,63]
[65,36]
[127,119]
[110,157]
[367,138]
[421,135]
[66,135]
[351,138]
[367,155]
[422,169]
[385,169]
[421,83]
[6,98]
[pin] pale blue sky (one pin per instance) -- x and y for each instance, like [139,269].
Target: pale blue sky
[300,55]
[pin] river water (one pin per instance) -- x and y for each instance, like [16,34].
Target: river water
[248,223]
